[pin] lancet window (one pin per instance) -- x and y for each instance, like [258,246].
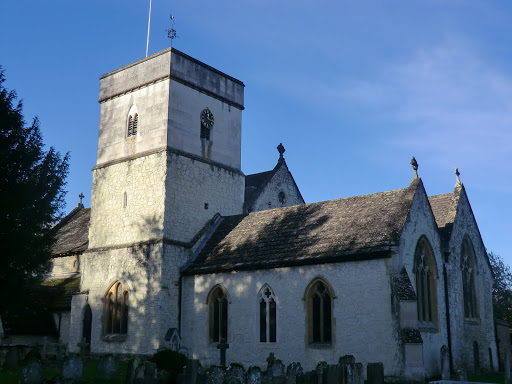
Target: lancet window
[133,122]
[268,314]
[116,309]
[319,313]
[425,273]
[218,311]
[468,267]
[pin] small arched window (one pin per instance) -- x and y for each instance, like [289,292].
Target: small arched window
[425,274]
[468,267]
[319,313]
[218,313]
[133,122]
[116,309]
[268,314]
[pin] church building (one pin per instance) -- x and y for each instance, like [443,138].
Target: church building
[181,249]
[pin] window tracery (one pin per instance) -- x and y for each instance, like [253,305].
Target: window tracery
[116,309]
[218,313]
[468,268]
[319,307]
[425,273]
[268,315]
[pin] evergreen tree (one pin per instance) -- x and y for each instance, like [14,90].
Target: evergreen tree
[32,193]
[501,288]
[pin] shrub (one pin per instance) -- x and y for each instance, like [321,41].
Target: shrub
[170,361]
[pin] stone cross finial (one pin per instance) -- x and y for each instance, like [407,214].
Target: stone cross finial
[223,346]
[281,150]
[457,174]
[414,164]
[81,196]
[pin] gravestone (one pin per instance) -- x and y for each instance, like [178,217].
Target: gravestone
[275,373]
[32,371]
[353,374]
[222,346]
[320,367]
[190,375]
[445,363]
[375,373]
[254,375]
[150,372]
[332,374]
[235,374]
[507,366]
[107,368]
[133,364]
[347,359]
[215,375]
[72,368]
[292,371]
[12,359]
[462,375]
[308,378]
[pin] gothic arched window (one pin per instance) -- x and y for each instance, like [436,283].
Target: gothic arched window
[468,267]
[218,311]
[268,312]
[319,312]
[133,122]
[116,309]
[425,274]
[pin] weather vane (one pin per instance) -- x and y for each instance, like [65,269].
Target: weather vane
[171,32]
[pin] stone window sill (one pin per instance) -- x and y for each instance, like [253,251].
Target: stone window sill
[113,338]
[472,320]
[427,326]
[320,345]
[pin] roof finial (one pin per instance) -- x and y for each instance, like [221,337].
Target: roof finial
[80,196]
[171,32]
[281,150]
[414,164]
[457,174]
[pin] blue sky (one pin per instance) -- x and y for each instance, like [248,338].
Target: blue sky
[352,89]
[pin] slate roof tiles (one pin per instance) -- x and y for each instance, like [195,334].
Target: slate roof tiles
[336,230]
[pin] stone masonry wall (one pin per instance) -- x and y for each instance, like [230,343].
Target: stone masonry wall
[151,276]
[63,266]
[421,222]
[465,332]
[281,182]
[143,181]
[362,321]
[195,192]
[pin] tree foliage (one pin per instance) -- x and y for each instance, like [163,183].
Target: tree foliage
[502,288]
[32,193]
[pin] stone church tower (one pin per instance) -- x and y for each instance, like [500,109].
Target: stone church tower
[168,163]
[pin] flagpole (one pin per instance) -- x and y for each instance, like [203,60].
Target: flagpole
[149,24]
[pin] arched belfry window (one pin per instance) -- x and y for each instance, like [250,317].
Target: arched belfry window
[133,122]
[218,313]
[319,312]
[425,275]
[268,314]
[116,309]
[468,268]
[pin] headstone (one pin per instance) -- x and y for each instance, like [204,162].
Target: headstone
[445,363]
[107,368]
[150,372]
[222,346]
[190,375]
[353,374]
[32,371]
[347,359]
[72,368]
[33,354]
[292,371]
[84,348]
[215,375]
[12,358]
[163,377]
[235,374]
[308,378]
[462,375]
[332,374]
[254,375]
[375,373]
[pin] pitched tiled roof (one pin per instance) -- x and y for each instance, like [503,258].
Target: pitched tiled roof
[72,233]
[444,208]
[337,230]
[254,184]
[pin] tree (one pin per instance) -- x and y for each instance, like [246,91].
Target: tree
[32,193]
[501,288]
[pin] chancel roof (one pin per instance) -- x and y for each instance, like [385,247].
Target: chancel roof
[254,185]
[72,233]
[352,228]
[444,208]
